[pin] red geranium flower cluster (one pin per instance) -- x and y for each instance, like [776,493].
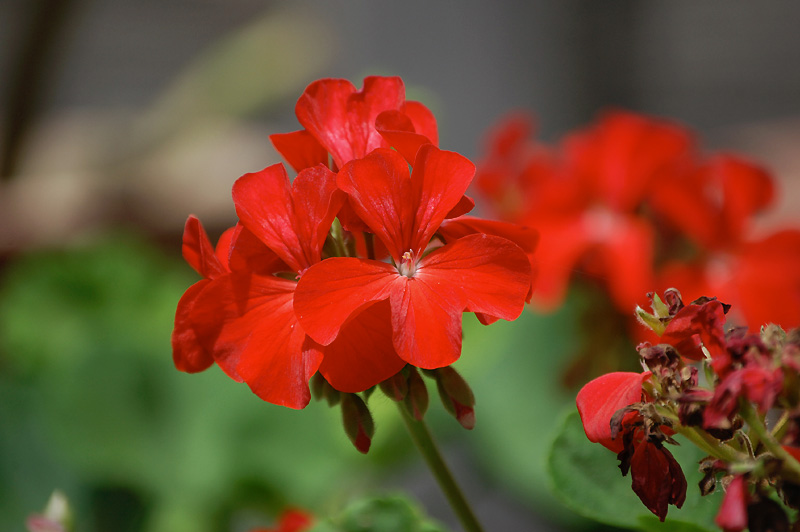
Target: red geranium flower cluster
[748,375]
[360,266]
[631,201]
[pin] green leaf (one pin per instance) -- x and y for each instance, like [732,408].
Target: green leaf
[586,477]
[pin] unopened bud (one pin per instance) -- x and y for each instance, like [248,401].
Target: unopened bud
[357,420]
[456,395]
[395,387]
[321,389]
[417,398]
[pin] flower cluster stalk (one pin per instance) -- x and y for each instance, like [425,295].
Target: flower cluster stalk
[422,439]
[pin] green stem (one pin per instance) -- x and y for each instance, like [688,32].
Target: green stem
[711,445]
[421,437]
[791,467]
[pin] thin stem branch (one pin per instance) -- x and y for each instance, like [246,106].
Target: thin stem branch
[421,437]
[791,467]
[711,445]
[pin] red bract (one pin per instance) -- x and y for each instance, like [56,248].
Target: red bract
[601,398]
[427,292]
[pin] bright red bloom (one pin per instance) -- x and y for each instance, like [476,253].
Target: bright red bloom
[427,292]
[586,198]
[257,338]
[601,398]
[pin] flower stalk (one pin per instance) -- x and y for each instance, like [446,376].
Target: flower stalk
[422,439]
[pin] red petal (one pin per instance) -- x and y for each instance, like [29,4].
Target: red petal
[624,153]
[300,149]
[362,354]
[427,322]
[747,189]
[650,476]
[766,280]
[331,290]
[198,251]
[379,191]
[259,337]
[600,399]
[628,258]
[706,322]
[188,352]
[397,129]
[493,274]
[249,253]
[292,221]
[464,205]
[439,181]
[525,237]
[343,119]
[423,120]
[732,514]
[225,247]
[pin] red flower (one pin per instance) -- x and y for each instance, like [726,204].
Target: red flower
[587,199]
[257,336]
[348,124]
[601,398]
[427,292]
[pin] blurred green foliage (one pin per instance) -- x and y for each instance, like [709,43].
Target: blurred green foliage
[90,403]
[379,514]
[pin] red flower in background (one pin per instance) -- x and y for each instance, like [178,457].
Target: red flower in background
[426,290]
[630,202]
[585,199]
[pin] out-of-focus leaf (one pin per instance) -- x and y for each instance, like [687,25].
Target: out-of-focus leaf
[586,477]
[379,514]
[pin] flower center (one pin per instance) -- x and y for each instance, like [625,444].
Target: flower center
[408,265]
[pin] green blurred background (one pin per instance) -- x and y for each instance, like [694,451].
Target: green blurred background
[121,118]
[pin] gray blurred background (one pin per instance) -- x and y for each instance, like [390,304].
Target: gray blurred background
[140,112]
